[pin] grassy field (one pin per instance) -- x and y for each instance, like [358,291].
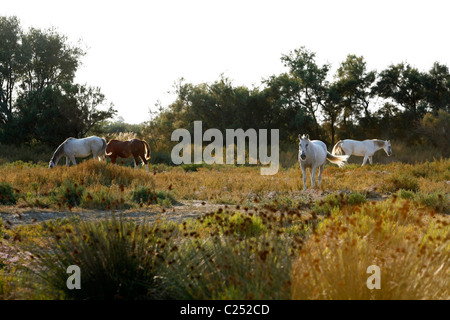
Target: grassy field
[257,237]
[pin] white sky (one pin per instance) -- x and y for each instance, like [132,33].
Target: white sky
[136,50]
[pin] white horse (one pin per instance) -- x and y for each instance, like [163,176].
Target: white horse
[364,148]
[313,154]
[79,148]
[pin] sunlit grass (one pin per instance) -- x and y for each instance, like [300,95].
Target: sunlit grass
[268,240]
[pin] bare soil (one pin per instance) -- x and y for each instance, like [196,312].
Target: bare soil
[13,216]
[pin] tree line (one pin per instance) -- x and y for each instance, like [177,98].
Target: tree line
[399,103]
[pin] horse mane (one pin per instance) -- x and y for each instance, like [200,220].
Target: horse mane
[60,150]
[379,143]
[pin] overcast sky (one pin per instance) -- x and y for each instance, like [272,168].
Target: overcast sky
[136,50]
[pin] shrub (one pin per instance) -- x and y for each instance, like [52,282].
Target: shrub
[7,194]
[117,259]
[435,201]
[70,193]
[401,180]
[104,198]
[226,267]
[333,200]
[236,223]
[144,195]
[405,194]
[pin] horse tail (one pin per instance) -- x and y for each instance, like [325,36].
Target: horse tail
[103,150]
[337,149]
[148,151]
[340,160]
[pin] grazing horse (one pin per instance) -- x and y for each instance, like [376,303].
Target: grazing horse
[124,149]
[313,154]
[364,148]
[73,148]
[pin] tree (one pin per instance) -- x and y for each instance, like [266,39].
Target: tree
[404,85]
[331,108]
[354,83]
[308,81]
[38,99]
[52,115]
[437,88]
[11,64]
[51,61]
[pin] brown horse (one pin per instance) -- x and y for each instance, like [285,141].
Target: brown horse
[124,149]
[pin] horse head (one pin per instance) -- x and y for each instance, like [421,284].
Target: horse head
[387,147]
[303,145]
[51,164]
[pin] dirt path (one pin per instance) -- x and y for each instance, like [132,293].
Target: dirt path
[13,216]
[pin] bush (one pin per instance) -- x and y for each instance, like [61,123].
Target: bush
[117,259]
[70,193]
[405,194]
[334,200]
[236,223]
[228,267]
[144,195]
[435,128]
[7,194]
[104,198]
[401,180]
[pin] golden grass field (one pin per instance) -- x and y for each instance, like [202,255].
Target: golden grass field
[258,237]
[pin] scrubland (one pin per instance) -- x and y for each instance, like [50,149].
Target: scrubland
[264,239]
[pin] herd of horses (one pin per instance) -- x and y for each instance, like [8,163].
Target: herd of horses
[312,154]
[73,148]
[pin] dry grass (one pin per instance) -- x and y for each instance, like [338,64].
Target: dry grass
[219,184]
[409,244]
[296,247]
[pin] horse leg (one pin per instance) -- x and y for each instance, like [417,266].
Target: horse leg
[320,173]
[370,160]
[136,162]
[72,158]
[67,161]
[304,178]
[145,162]
[113,159]
[313,177]
[364,161]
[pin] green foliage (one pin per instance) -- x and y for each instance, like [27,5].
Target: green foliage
[39,101]
[405,194]
[337,200]
[70,193]
[145,195]
[402,180]
[436,201]
[436,130]
[104,198]
[191,167]
[237,223]
[7,195]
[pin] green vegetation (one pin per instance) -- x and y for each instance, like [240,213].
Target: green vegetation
[7,194]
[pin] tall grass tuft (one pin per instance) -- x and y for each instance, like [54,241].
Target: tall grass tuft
[117,259]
